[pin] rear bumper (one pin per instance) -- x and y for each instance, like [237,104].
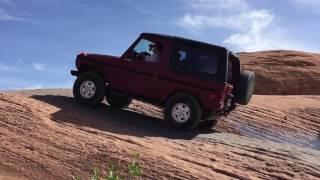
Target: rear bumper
[225,108]
[74,73]
[230,104]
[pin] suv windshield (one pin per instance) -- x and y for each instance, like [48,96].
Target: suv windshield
[144,46]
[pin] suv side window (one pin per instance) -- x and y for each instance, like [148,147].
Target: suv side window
[207,64]
[194,60]
[182,60]
[182,55]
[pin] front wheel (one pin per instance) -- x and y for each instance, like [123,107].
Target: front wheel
[183,111]
[88,89]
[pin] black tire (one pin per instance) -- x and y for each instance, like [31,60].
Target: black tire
[184,100]
[118,101]
[208,124]
[97,96]
[209,121]
[245,87]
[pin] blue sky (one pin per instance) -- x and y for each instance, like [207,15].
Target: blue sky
[39,39]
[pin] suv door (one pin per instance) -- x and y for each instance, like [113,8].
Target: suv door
[138,72]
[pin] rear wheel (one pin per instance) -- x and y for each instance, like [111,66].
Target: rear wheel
[210,121]
[89,89]
[118,101]
[208,124]
[183,111]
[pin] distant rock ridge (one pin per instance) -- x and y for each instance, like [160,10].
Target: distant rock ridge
[282,72]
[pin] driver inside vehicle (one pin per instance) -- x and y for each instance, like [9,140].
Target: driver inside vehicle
[155,56]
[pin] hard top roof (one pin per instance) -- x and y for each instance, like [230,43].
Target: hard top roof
[177,38]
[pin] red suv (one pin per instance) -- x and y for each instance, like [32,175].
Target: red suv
[194,81]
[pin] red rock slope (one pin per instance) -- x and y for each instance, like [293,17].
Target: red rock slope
[284,72]
[49,136]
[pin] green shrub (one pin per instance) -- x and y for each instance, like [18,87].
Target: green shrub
[134,168]
[133,171]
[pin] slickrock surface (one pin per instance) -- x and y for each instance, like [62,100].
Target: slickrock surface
[45,134]
[284,72]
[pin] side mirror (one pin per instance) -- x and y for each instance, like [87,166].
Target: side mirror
[134,55]
[151,47]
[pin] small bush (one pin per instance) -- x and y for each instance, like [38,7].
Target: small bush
[133,171]
[134,168]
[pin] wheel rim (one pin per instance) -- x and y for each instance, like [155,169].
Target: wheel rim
[181,112]
[87,89]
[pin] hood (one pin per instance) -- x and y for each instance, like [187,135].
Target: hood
[96,58]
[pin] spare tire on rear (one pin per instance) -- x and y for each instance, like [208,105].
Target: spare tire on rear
[245,87]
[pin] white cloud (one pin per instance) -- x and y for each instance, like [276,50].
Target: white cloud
[5,16]
[19,75]
[66,84]
[310,6]
[135,5]
[39,66]
[12,82]
[19,66]
[16,82]
[5,67]
[9,2]
[270,40]
[209,5]
[312,3]
[249,29]
[50,85]
[38,86]
[244,21]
